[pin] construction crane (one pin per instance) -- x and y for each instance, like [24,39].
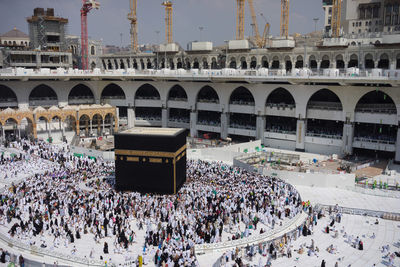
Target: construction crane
[260,41]
[168,21]
[285,18]
[133,18]
[240,19]
[336,13]
[87,5]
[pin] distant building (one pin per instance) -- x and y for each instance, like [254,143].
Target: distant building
[14,39]
[46,31]
[95,50]
[327,7]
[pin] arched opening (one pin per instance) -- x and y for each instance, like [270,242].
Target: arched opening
[69,126]
[325,63]
[196,64]
[264,62]
[43,95]
[109,65]
[376,102]
[207,94]
[84,126]
[214,64]
[299,62]
[280,124]
[147,91]
[93,65]
[135,64]
[280,97]
[149,66]
[369,61]
[179,65]
[109,122]
[324,99]
[116,64]
[122,64]
[209,118]
[288,64]
[171,64]
[243,63]
[92,50]
[324,128]
[188,64]
[26,129]
[275,63]
[353,63]
[241,96]
[398,61]
[11,131]
[142,64]
[253,63]
[339,62]
[242,121]
[177,93]
[80,94]
[383,61]
[232,63]
[313,63]
[8,98]
[205,63]
[97,125]
[112,91]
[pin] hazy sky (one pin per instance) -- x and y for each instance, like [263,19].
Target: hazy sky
[216,16]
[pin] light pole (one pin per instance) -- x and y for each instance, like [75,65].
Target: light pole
[315,22]
[226,53]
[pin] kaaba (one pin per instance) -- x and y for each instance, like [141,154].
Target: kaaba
[150,160]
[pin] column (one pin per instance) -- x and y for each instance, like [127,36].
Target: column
[193,123]
[77,128]
[3,132]
[19,131]
[34,127]
[104,127]
[376,63]
[397,156]
[91,126]
[164,117]
[224,125]
[348,134]
[260,128]
[131,117]
[300,134]
[61,126]
[392,64]
[318,64]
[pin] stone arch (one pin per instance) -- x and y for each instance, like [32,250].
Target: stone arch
[299,62]
[288,63]
[325,62]
[8,98]
[275,63]
[353,62]
[383,62]
[207,94]
[177,93]
[232,63]
[147,91]
[80,94]
[92,50]
[113,91]
[313,62]
[214,64]
[243,63]
[339,61]
[369,61]
[196,63]
[264,62]
[280,96]
[376,100]
[253,63]
[205,63]
[325,97]
[43,95]
[242,96]
[398,61]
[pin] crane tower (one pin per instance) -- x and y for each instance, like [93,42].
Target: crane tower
[285,18]
[240,19]
[336,14]
[133,18]
[87,5]
[168,21]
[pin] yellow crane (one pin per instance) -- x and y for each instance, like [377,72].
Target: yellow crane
[285,18]
[168,21]
[133,18]
[336,14]
[260,41]
[240,19]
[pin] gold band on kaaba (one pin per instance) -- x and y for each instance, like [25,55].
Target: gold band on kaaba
[146,153]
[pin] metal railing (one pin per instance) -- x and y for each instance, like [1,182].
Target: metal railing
[375,141]
[321,135]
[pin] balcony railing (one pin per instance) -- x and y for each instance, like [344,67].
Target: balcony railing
[321,135]
[377,108]
[325,105]
[376,141]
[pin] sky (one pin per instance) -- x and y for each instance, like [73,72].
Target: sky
[217,17]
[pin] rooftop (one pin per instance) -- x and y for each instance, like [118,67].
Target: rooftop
[153,131]
[15,33]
